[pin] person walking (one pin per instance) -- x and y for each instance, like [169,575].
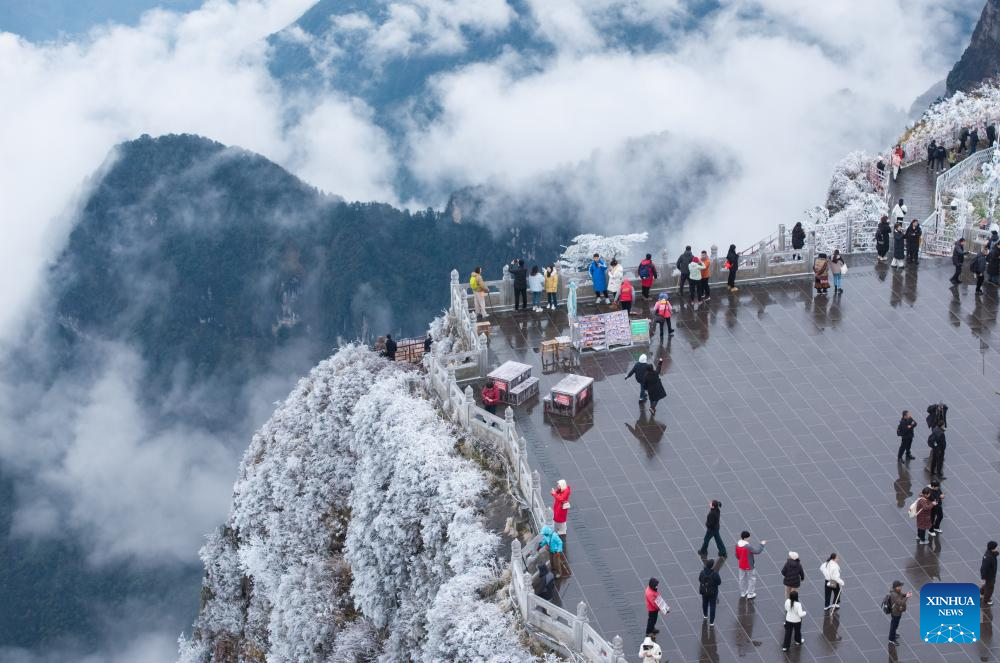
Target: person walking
[937,513]
[978,267]
[520,276]
[904,430]
[684,267]
[390,348]
[428,342]
[654,386]
[798,240]
[649,651]
[937,443]
[821,272]
[963,137]
[899,211]
[931,155]
[898,246]
[991,134]
[536,284]
[896,601]
[993,265]
[940,156]
[652,609]
[897,160]
[712,524]
[957,258]
[662,311]
[732,264]
[616,274]
[552,287]
[639,370]
[560,507]
[491,397]
[746,554]
[792,573]
[833,584]
[883,235]
[838,267]
[557,558]
[694,278]
[794,612]
[921,510]
[913,234]
[973,140]
[647,274]
[625,296]
[706,274]
[598,271]
[988,573]
[478,287]
[709,581]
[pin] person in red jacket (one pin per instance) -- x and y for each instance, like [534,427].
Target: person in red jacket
[491,397]
[560,506]
[651,607]
[625,295]
[647,274]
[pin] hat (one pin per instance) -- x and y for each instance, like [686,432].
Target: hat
[642,359]
[897,583]
[664,295]
[793,555]
[648,642]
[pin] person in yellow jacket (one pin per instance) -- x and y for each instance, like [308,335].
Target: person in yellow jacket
[478,287]
[551,286]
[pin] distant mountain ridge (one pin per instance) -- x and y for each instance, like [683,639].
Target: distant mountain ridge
[981,60]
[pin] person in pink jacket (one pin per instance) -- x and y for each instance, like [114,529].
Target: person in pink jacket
[560,506]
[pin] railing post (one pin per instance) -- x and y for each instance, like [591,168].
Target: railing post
[665,270]
[507,288]
[850,235]
[470,405]
[762,260]
[617,650]
[484,355]
[812,250]
[522,597]
[714,253]
[578,624]
[781,237]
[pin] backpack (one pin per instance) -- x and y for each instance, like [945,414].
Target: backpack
[472,282]
[911,510]
[887,604]
[705,584]
[644,271]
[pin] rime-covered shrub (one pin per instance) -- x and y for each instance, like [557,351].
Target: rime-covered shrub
[943,121]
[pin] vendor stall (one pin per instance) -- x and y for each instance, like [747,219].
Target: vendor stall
[508,376]
[603,331]
[570,395]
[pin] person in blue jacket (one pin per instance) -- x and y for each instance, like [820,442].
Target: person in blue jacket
[599,275]
[555,545]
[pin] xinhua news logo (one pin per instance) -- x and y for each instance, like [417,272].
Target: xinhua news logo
[949,612]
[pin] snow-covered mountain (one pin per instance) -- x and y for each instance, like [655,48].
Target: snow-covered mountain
[356,534]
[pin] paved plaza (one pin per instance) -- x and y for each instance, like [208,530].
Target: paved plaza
[785,408]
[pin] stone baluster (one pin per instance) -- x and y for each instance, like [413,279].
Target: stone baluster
[781,237]
[762,259]
[578,624]
[664,270]
[507,288]
[484,355]
[617,650]
[470,406]
[811,253]
[714,253]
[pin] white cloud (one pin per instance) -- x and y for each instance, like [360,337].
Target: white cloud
[204,72]
[145,647]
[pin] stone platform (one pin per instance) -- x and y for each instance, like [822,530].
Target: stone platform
[783,406]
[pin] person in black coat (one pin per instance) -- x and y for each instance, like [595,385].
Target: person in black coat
[733,258]
[963,137]
[978,267]
[988,573]
[427,344]
[974,140]
[792,573]
[639,370]
[898,246]
[937,443]
[882,236]
[913,234]
[709,581]
[931,154]
[712,524]
[991,134]
[654,386]
[993,265]
[520,275]
[904,430]
[798,240]
[683,265]
[546,582]
[940,154]
[390,348]
[937,415]
[957,258]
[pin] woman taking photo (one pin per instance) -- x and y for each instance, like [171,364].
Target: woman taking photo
[838,267]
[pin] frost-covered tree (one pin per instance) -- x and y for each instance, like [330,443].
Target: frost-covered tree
[581,251]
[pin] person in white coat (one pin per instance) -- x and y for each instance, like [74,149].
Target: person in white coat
[834,583]
[899,211]
[794,612]
[649,651]
[616,274]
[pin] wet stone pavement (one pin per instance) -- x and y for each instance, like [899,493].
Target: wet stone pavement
[784,407]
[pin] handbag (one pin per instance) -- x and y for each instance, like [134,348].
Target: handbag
[843,269]
[662,605]
[675,273]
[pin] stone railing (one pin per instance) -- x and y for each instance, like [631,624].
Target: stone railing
[560,628]
[941,231]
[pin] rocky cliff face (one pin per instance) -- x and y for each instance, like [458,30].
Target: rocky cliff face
[981,59]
